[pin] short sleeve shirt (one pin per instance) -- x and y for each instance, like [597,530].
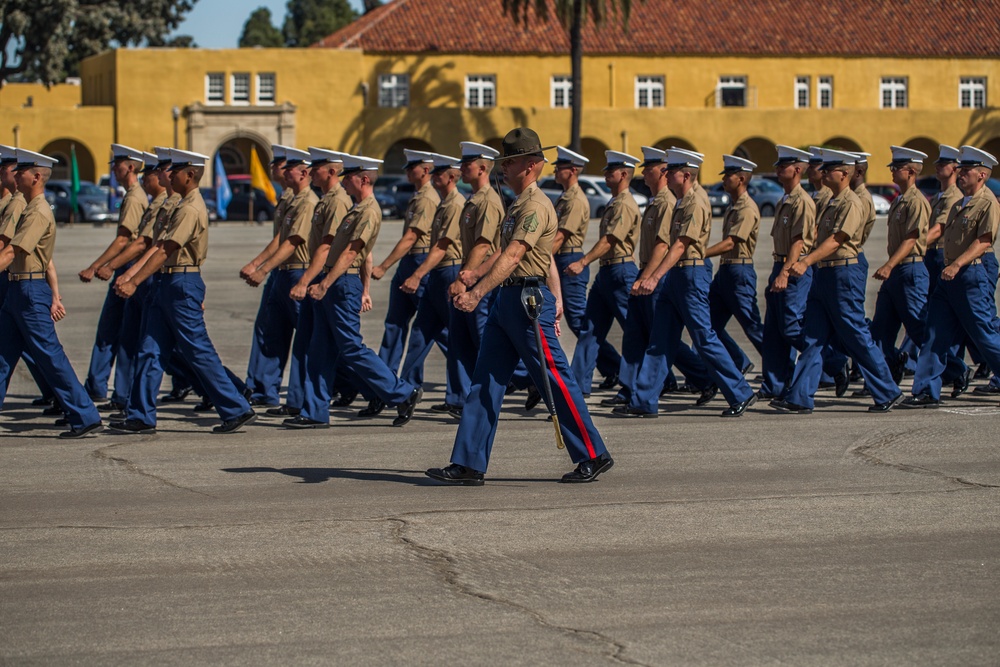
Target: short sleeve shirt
[941,207]
[842,214]
[573,213]
[970,220]
[795,217]
[821,198]
[909,213]
[692,219]
[327,215]
[481,218]
[149,216]
[447,224]
[742,222]
[867,214]
[532,220]
[188,228]
[12,211]
[35,235]
[621,222]
[362,223]
[420,211]
[656,224]
[280,208]
[298,222]
[134,204]
[163,215]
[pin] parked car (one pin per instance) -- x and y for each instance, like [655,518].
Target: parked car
[208,194]
[597,191]
[91,202]
[239,207]
[385,189]
[888,190]
[881,204]
[930,186]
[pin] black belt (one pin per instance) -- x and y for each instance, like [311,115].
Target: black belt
[181,269]
[522,280]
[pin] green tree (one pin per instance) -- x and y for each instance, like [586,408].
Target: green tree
[372,4]
[572,14]
[259,31]
[309,21]
[46,40]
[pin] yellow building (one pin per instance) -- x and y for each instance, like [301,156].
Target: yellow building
[712,76]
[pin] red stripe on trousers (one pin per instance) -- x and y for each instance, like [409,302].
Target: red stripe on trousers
[565,392]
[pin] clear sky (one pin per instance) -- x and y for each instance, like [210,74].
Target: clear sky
[217,24]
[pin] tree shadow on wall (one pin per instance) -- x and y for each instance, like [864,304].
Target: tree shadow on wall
[984,130]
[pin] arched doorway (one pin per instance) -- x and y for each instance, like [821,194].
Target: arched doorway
[235,154]
[394,158]
[760,151]
[62,150]
[496,143]
[593,150]
[841,144]
[924,145]
[675,142]
[246,203]
[992,147]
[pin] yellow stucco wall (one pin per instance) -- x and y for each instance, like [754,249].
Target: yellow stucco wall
[18,95]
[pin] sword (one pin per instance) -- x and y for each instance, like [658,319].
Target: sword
[532,299]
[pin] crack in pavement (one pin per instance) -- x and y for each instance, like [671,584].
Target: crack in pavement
[868,451]
[448,566]
[102,454]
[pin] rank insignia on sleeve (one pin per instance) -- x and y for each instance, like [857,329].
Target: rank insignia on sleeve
[530,223]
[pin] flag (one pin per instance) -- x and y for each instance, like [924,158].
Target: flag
[259,178]
[223,193]
[74,170]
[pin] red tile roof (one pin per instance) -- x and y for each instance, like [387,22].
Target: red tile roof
[915,28]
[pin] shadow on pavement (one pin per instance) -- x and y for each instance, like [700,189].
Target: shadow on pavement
[317,475]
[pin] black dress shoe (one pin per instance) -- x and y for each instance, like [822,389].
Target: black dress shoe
[261,403]
[205,405]
[111,406]
[765,396]
[375,408]
[787,406]
[923,400]
[404,411]
[534,398]
[746,369]
[42,401]
[669,388]
[983,371]
[442,407]
[80,432]
[862,393]
[62,421]
[899,367]
[117,416]
[456,474]
[132,426]
[617,399]
[855,375]
[511,389]
[589,470]
[986,390]
[345,400]
[609,382]
[176,395]
[841,382]
[283,411]
[626,411]
[303,422]
[888,405]
[738,409]
[707,395]
[235,424]
[54,411]
[961,385]
[456,411]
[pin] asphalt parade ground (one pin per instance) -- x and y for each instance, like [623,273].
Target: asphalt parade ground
[839,538]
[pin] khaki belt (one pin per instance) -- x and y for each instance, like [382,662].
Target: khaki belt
[838,262]
[737,260]
[937,245]
[419,251]
[782,258]
[293,266]
[616,260]
[348,272]
[912,259]
[690,262]
[563,250]
[181,269]
[445,263]
[521,280]
[34,275]
[972,263]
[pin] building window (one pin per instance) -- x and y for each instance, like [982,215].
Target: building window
[480,91]
[972,92]
[562,91]
[394,90]
[802,92]
[215,88]
[649,92]
[240,93]
[731,92]
[265,88]
[892,92]
[824,92]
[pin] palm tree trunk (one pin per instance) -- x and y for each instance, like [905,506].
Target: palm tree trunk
[576,58]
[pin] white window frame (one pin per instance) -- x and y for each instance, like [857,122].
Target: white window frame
[232,89]
[803,83]
[824,84]
[480,85]
[261,101]
[895,86]
[971,86]
[561,83]
[732,82]
[650,86]
[393,91]
[221,81]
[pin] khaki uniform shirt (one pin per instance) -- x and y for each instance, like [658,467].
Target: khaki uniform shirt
[532,220]
[867,214]
[821,198]
[621,222]
[134,204]
[692,218]
[279,209]
[742,222]
[842,214]
[163,215]
[362,223]
[447,224]
[941,206]
[188,228]
[327,216]
[909,213]
[796,216]
[420,214]
[12,210]
[35,234]
[656,224]
[573,212]
[702,195]
[968,221]
[298,222]
[481,218]
[149,216]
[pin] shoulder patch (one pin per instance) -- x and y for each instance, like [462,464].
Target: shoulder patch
[530,223]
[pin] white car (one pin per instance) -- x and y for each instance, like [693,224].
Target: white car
[598,193]
[881,204]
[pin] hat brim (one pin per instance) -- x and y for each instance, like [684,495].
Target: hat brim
[535,153]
